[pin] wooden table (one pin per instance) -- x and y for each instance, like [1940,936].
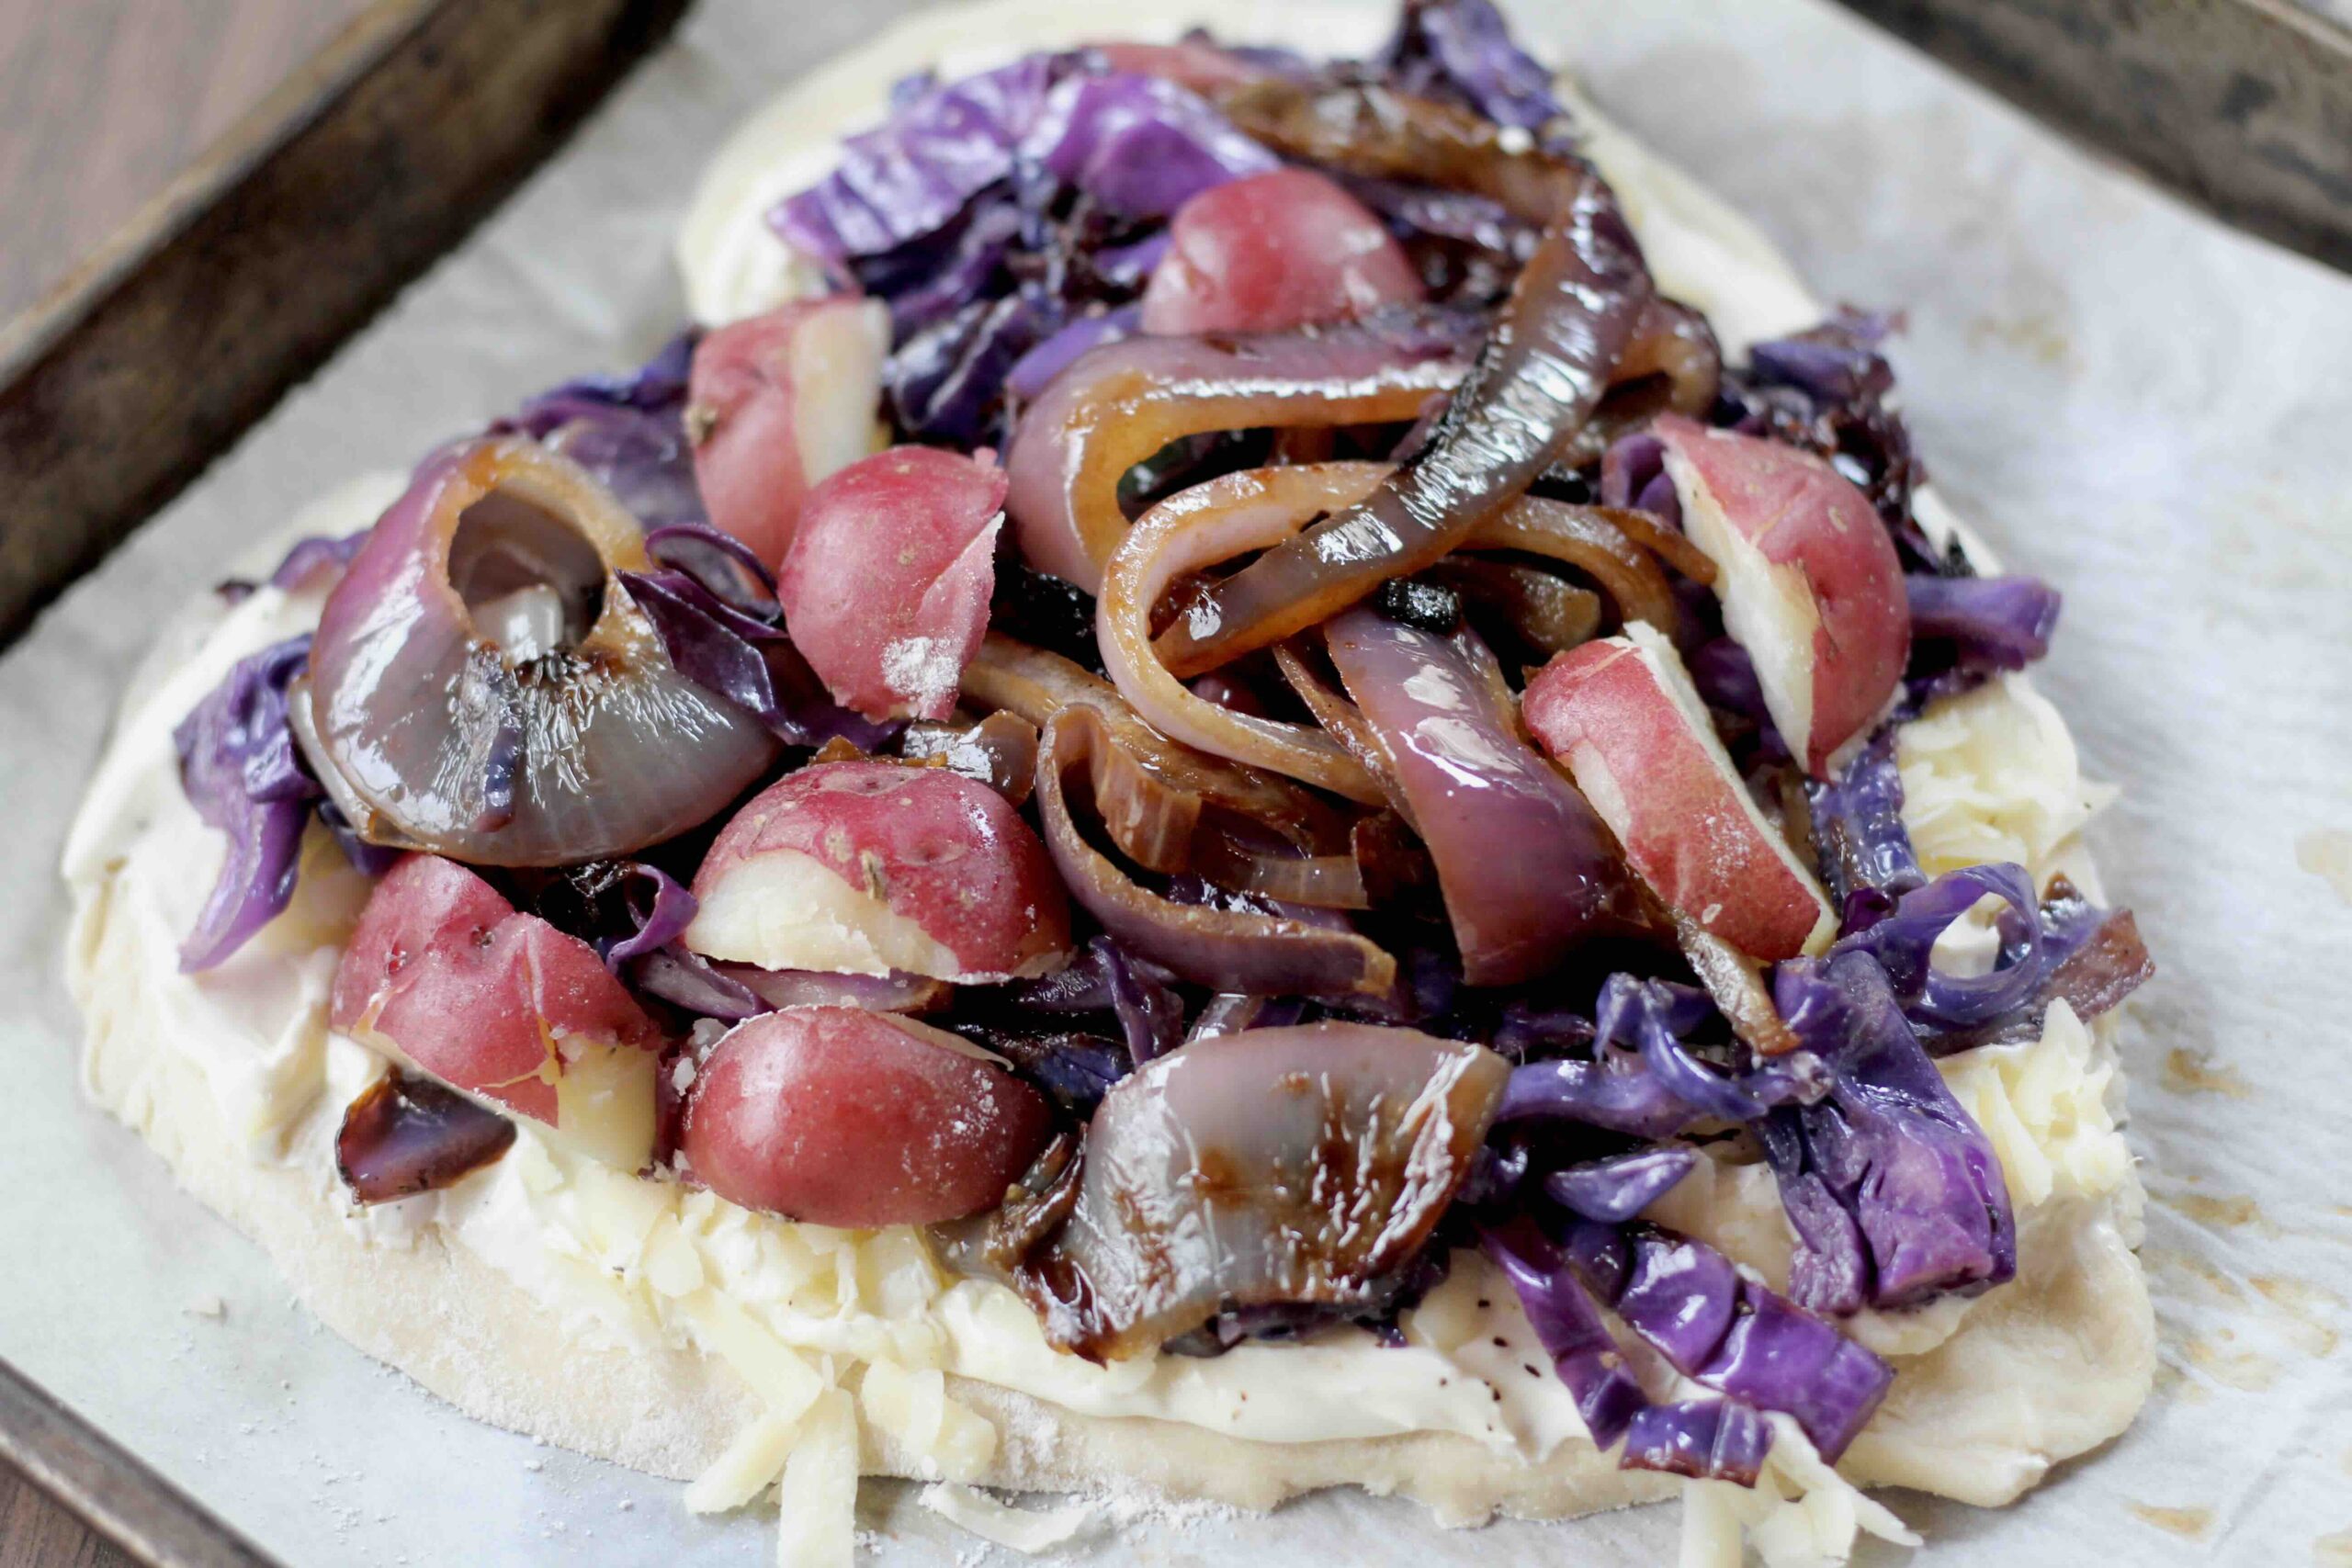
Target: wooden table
[101,102]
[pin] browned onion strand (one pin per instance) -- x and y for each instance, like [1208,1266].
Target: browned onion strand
[1341,720]
[1736,983]
[1001,752]
[1675,342]
[1590,539]
[1118,404]
[1544,611]
[1230,950]
[1537,379]
[1202,527]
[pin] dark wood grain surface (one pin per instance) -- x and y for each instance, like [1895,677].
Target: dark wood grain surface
[101,103]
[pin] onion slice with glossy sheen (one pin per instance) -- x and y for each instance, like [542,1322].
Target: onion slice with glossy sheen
[1274,1167]
[1198,528]
[484,687]
[1229,949]
[1572,313]
[1527,869]
[1118,404]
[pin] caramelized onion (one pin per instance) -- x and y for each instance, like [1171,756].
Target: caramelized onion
[1229,949]
[1527,869]
[1288,1166]
[1544,614]
[1001,752]
[1198,528]
[482,685]
[1735,982]
[405,1136]
[1118,404]
[1012,677]
[1572,312]
[1591,539]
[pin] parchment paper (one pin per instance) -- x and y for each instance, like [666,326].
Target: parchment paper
[2153,412]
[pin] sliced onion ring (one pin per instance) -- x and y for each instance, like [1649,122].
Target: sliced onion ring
[434,735]
[1229,949]
[1591,539]
[1572,313]
[1198,528]
[1118,404]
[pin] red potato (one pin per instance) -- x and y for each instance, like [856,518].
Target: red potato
[443,975]
[886,588]
[1622,715]
[862,868]
[843,1117]
[779,403]
[1272,253]
[1809,579]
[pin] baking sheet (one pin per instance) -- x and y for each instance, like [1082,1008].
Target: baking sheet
[2149,409]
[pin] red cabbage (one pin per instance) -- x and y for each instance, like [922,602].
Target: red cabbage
[239,770]
[1140,145]
[1461,52]
[1979,623]
[1862,847]
[1889,1144]
[1616,1189]
[1716,1439]
[629,431]
[1570,1327]
[1658,1089]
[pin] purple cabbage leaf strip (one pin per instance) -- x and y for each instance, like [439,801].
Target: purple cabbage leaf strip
[1864,851]
[715,607]
[1657,1087]
[1461,52]
[629,431]
[1729,1333]
[1615,1189]
[2065,948]
[1756,1350]
[239,768]
[1888,1147]
[1979,624]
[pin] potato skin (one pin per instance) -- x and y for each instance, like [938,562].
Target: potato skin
[943,850]
[842,1117]
[446,971]
[1273,253]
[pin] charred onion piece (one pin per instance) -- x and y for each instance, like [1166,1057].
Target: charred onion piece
[1120,403]
[1572,313]
[1527,869]
[1291,1167]
[482,687]
[1229,949]
[405,1136]
[1199,527]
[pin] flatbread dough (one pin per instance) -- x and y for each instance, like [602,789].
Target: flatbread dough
[2036,1372]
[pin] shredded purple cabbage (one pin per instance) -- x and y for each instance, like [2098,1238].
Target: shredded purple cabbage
[1461,52]
[240,769]
[629,431]
[1887,1149]
[1978,624]
[1615,1189]
[1864,851]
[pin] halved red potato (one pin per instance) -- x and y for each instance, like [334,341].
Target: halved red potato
[776,403]
[1274,252]
[862,868]
[1622,715]
[1810,582]
[886,587]
[843,1117]
[444,976]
